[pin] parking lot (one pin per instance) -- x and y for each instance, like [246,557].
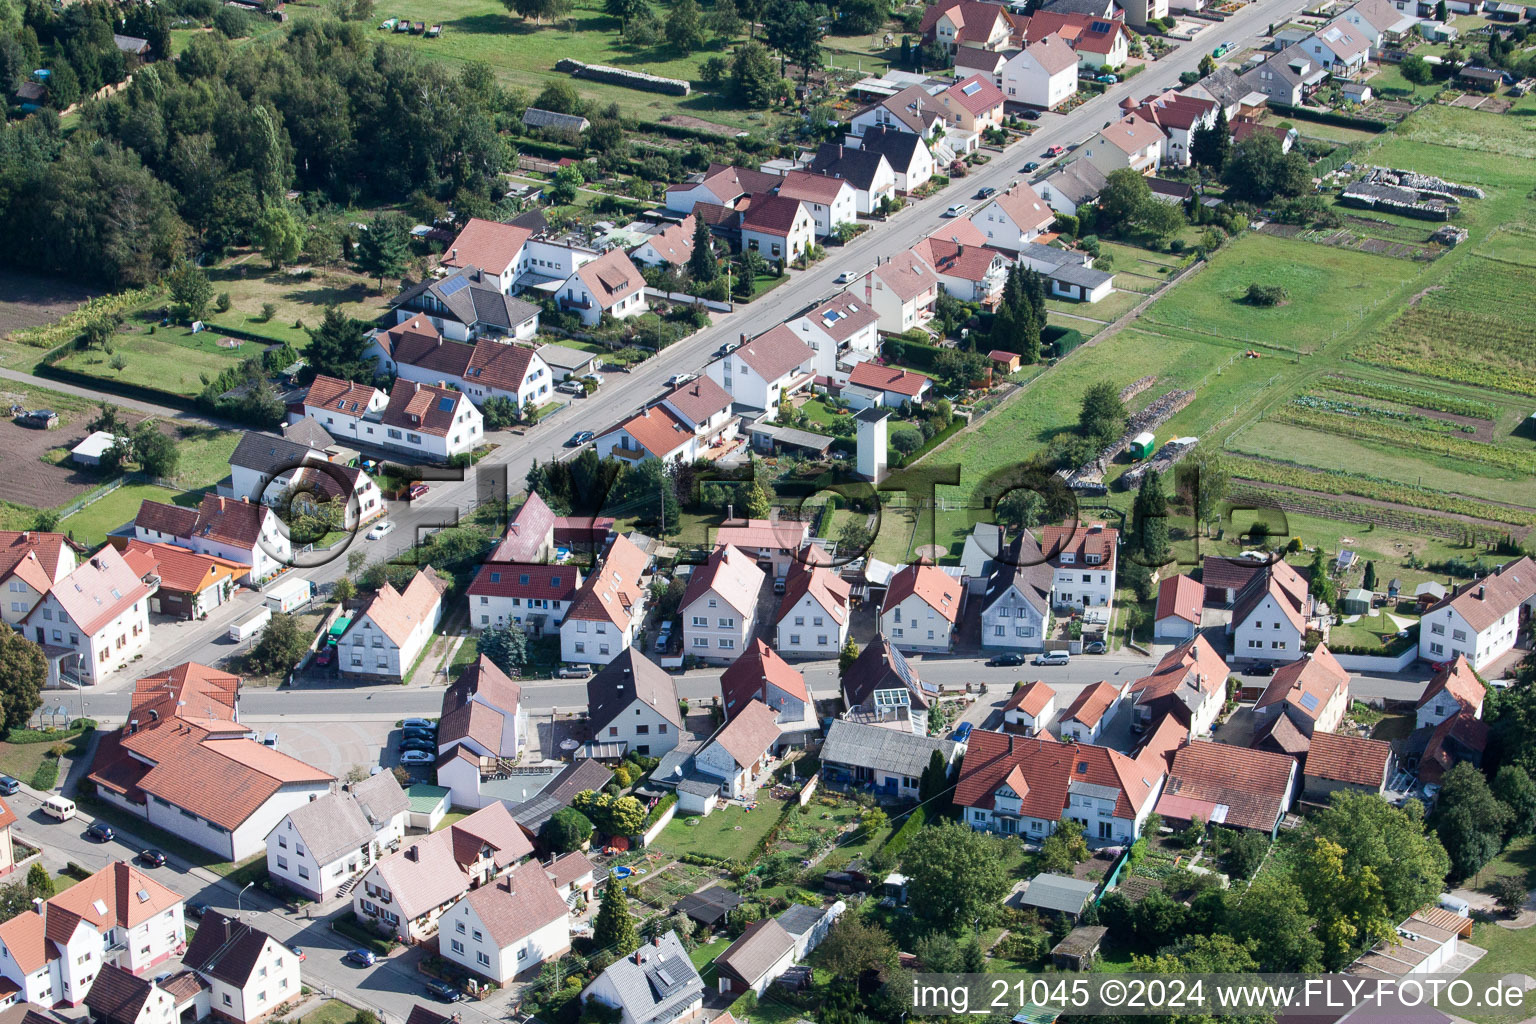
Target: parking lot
[332,745]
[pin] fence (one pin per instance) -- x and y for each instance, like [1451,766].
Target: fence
[650,834]
[690,300]
[1376,662]
[809,789]
[93,497]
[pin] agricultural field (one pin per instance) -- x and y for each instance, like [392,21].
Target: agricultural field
[31,302]
[173,359]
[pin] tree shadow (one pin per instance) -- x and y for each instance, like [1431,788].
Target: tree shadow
[330,295]
[491,24]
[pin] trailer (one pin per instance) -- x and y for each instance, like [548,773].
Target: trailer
[1143,444]
[250,626]
[294,592]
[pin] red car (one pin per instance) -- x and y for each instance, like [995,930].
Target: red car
[1056,151]
[417,490]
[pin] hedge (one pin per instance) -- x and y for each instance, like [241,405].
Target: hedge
[661,808]
[539,147]
[50,735]
[1062,339]
[348,925]
[120,388]
[955,426]
[1329,117]
[47,774]
[916,819]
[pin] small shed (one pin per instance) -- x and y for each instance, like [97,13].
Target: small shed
[1077,951]
[710,906]
[94,448]
[38,419]
[429,804]
[533,117]
[1059,894]
[895,888]
[1357,602]
[1345,560]
[1426,595]
[1005,362]
[1394,587]
[1143,444]
[1483,79]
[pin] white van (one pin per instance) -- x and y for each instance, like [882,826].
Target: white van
[59,807]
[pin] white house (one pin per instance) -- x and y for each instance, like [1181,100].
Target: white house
[719,608]
[1128,142]
[1016,609]
[247,971]
[872,384]
[534,597]
[238,531]
[1480,620]
[814,613]
[1043,74]
[969,271]
[1082,559]
[1014,217]
[465,303]
[483,712]
[31,562]
[1029,709]
[385,639]
[482,370]
[1090,712]
[608,607]
[633,703]
[757,959]
[907,153]
[921,609]
[264,467]
[656,984]
[760,675]
[842,332]
[669,246]
[688,421]
[1189,683]
[721,184]
[609,284]
[739,755]
[506,928]
[1068,273]
[902,290]
[1454,690]
[832,202]
[1378,21]
[1312,692]
[95,620]
[780,228]
[1339,46]
[761,372]
[51,952]
[429,422]
[1179,116]
[1179,603]
[1269,617]
[342,407]
[320,845]
[1075,185]
[871,175]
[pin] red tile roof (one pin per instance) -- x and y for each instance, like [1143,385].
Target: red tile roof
[1194,664]
[1352,759]
[167,520]
[1031,698]
[906,275]
[750,677]
[813,188]
[967,262]
[1281,582]
[1133,134]
[1025,208]
[731,575]
[1306,685]
[531,582]
[531,526]
[1253,785]
[515,907]
[1046,769]
[774,353]
[1180,597]
[825,587]
[1080,31]
[488,245]
[975,94]
[183,570]
[763,534]
[974,21]
[1090,705]
[423,408]
[339,395]
[1172,110]
[396,614]
[612,591]
[1459,681]
[658,430]
[1242,131]
[772,215]
[98,590]
[32,547]
[1081,541]
[930,584]
[192,691]
[1483,602]
[673,243]
[869,374]
[698,400]
[611,278]
[842,316]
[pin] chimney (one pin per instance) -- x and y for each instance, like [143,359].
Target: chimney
[1481,590]
[133,726]
[37,904]
[454,255]
[730,510]
[26,536]
[412,852]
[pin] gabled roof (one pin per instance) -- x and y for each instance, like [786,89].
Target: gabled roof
[1221,573]
[308,432]
[869,374]
[1053,54]
[898,147]
[857,165]
[812,188]
[421,1015]
[537,581]
[1461,734]
[468,295]
[237,523]
[1279,733]
[1031,698]
[658,430]
[761,534]
[488,245]
[98,590]
[1084,32]
[531,526]
[1483,602]
[673,243]
[731,575]
[483,679]
[1081,541]
[432,870]
[1132,134]
[183,570]
[1281,582]
[699,399]
[169,520]
[1192,672]
[268,453]
[1458,680]
[1024,207]
[906,275]
[975,94]
[117,896]
[1242,787]
[1179,597]
[774,353]
[1025,570]
[1353,759]
[612,590]
[338,395]
[974,58]
[750,732]
[1080,181]
[25,937]
[33,555]
[929,584]
[611,278]
[380,798]
[1172,110]
[881,749]
[514,907]
[192,691]
[761,946]
[1342,39]
[1306,685]
[396,614]
[1047,771]
[880,666]
[118,994]
[842,316]
[955,259]
[226,949]
[423,408]
[828,589]
[629,677]
[974,21]
[728,182]
[1089,706]
[656,980]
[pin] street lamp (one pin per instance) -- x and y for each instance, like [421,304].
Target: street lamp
[239,899]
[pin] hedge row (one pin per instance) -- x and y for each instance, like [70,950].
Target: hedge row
[50,735]
[656,812]
[120,388]
[1061,340]
[916,819]
[955,426]
[1329,117]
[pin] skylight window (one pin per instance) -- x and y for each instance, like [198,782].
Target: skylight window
[99,907]
[445,404]
[971,88]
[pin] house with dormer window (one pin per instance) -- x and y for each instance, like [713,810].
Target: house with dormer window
[606,611]
[534,597]
[922,608]
[1082,560]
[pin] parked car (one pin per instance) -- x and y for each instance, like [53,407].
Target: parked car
[270,740]
[780,583]
[1094,647]
[1005,660]
[580,438]
[1107,79]
[417,490]
[846,276]
[677,380]
[573,671]
[986,193]
[958,210]
[152,858]
[298,952]
[325,656]
[360,957]
[430,746]
[962,732]
[1052,658]
[8,785]
[381,530]
[442,991]
[595,378]
[419,723]
[570,387]
[1261,668]
[196,909]
[429,735]
[1031,115]
[411,757]
[99,833]
[1031,167]
[1056,151]
[725,350]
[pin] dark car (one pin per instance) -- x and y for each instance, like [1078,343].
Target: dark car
[413,733]
[442,991]
[723,351]
[360,957]
[1031,166]
[153,858]
[197,908]
[429,746]
[1261,668]
[1094,647]
[580,438]
[99,833]
[419,723]
[1031,115]
[8,785]
[1004,660]
[986,193]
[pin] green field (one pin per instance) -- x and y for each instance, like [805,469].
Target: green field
[1109,309]
[173,360]
[731,832]
[91,524]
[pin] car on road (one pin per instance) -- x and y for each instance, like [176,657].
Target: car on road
[419,723]
[99,833]
[381,530]
[958,210]
[411,757]
[962,732]
[442,991]
[1031,166]
[677,380]
[1031,115]
[571,387]
[8,785]
[298,951]
[579,438]
[1094,647]
[573,671]
[360,957]
[846,276]
[164,976]
[725,350]
[1052,658]
[1005,660]
[418,489]
[1056,151]
[986,193]
[430,746]
[197,908]
[152,858]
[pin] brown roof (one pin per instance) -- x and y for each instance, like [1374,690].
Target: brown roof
[906,275]
[761,946]
[98,590]
[1174,110]
[421,1015]
[673,243]
[730,574]
[1081,541]
[1024,207]
[952,259]
[183,570]
[538,581]
[423,408]
[974,21]
[1031,698]
[1181,597]
[226,949]
[772,215]
[340,395]
[611,278]
[568,867]
[1308,684]
[1281,582]
[518,905]
[1233,574]
[1279,733]
[629,677]
[117,994]
[1242,131]
[486,244]
[773,353]
[699,399]
[1352,759]
[1083,32]
[1090,705]
[1254,785]
[396,614]
[869,374]
[533,523]
[880,666]
[749,733]
[842,316]
[1133,134]
[1045,769]
[976,94]
[658,430]
[1461,734]
[813,188]
[1053,54]
[612,591]
[408,341]
[1459,681]
[169,520]
[932,585]
[1193,663]
[473,721]
[749,678]
[32,547]
[1483,602]
[432,870]
[826,588]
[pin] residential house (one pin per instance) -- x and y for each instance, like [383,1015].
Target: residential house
[1339,761]
[778,545]
[429,422]
[465,304]
[248,972]
[1313,692]
[1068,273]
[832,202]
[1287,78]
[1098,42]
[1179,116]
[496,250]
[740,754]
[1189,682]
[1270,615]
[1129,142]
[532,596]
[116,996]
[321,845]
[191,585]
[910,109]
[842,332]
[972,104]
[1340,47]
[1230,786]
[1082,560]
[1090,712]
[565,362]
[922,608]
[1042,75]
[602,620]
[686,423]
[508,927]
[1019,785]
[1140,12]
[1093,8]
[967,270]
[721,185]
[386,638]
[1016,609]
[780,228]
[530,536]
[1482,619]
[885,762]
[656,984]
[1072,186]
[406,893]
[51,952]
[868,171]
[1242,131]
[872,385]
[1029,709]
[345,409]
[269,469]
[757,959]
[670,246]
[573,875]
[1179,603]
[483,370]
[906,152]
[902,289]
[955,23]
[814,613]
[1378,21]
[632,703]
[540,796]
[973,60]
[1014,217]
[95,619]
[809,925]
[1231,93]
[245,532]
[1453,690]
[483,729]
[1462,737]
[31,562]
[760,373]
[881,688]
[1224,578]
[609,284]
[761,675]
[719,608]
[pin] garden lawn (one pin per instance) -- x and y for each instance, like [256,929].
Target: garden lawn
[299,297]
[205,453]
[1329,291]
[731,832]
[1110,308]
[90,525]
[332,1011]
[172,360]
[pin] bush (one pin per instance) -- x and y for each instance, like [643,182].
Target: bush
[1266,295]
[47,775]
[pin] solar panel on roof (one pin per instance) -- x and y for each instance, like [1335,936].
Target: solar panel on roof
[971,89]
[453,284]
[1100,26]
[445,404]
[1309,701]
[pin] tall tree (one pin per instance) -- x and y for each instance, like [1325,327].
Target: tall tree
[1212,146]
[1369,580]
[269,161]
[1101,416]
[1260,170]
[1469,819]
[1020,509]
[279,235]
[752,78]
[1388,842]
[794,29]
[614,930]
[190,289]
[937,856]
[685,26]
[701,262]
[933,786]
[23,670]
[336,347]
[1272,917]
[1349,906]
[1149,519]
[855,947]
[539,10]
[385,248]
[847,656]
[1201,480]
[154,451]
[1515,790]
[624,10]
[725,20]
[506,646]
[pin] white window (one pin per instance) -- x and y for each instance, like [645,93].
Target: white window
[458,947]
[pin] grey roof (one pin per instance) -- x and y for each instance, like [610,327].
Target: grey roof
[1051,254]
[130,44]
[1080,181]
[477,301]
[1083,277]
[799,918]
[1093,8]
[331,826]
[534,117]
[881,749]
[559,792]
[628,676]
[1280,65]
[656,981]
[268,453]
[699,786]
[794,437]
[761,946]
[856,166]
[307,431]
[709,905]
[1224,86]
[559,357]
[897,147]
[380,798]
[1058,892]
[1025,569]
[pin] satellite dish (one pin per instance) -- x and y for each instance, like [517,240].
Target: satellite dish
[568,744]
